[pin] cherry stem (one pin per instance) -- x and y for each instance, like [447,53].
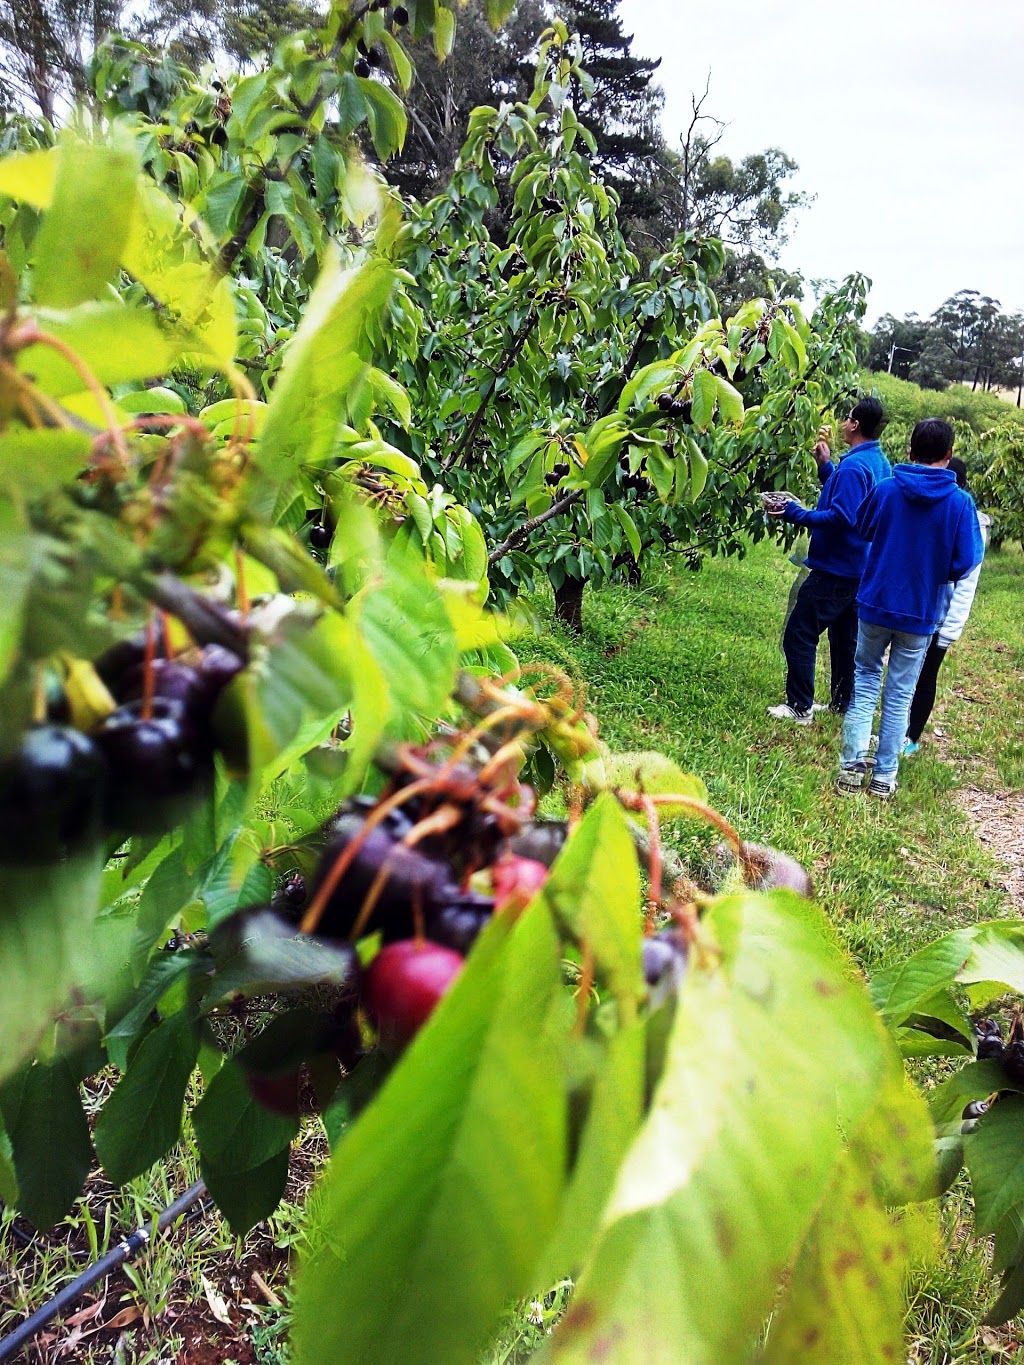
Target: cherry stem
[33,335]
[585,986]
[39,695]
[633,799]
[654,863]
[165,631]
[244,601]
[148,671]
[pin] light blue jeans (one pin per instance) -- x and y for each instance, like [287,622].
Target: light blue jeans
[906,656]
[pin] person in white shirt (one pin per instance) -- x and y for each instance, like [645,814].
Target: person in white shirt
[959,600]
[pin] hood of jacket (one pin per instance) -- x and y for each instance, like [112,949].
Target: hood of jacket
[924,483]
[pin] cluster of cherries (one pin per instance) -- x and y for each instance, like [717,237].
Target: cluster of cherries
[139,769]
[428,900]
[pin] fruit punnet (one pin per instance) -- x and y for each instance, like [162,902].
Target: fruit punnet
[158,766]
[51,795]
[404,982]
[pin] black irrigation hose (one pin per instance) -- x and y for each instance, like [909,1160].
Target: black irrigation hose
[125,1250]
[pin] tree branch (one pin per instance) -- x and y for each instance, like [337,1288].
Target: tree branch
[516,538]
[511,352]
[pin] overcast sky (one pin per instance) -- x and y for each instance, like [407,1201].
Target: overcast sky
[906,118]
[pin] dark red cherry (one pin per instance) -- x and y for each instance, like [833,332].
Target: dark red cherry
[457,924]
[158,766]
[400,16]
[320,536]
[51,795]
[664,964]
[217,667]
[362,67]
[411,876]
[173,680]
[404,983]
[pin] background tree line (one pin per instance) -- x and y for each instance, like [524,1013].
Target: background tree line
[968,340]
[47,48]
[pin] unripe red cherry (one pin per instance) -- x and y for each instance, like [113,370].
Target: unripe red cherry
[516,881]
[404,982]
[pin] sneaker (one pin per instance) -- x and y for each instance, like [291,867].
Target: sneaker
[882,787]
[851,779]
[820,706]
[909,748]
[786,712]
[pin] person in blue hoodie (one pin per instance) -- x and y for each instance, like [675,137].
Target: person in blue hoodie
[923,533]
[835,558]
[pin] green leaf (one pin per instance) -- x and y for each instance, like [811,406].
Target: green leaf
[655,775]
[444,32]
[118,343]
[325,358]
[21,557]
[594,891]
[717,1194]
[234,1131]
[628,527]
[161,974]
[44,929]
[900,990]
[698,470]
[497,11]
[615,1113]
[8,1176]
[258,953]
[994,1156]
[36,461]
[386,116]
[471,1128]
[42,1112]
[730,402]
[705,395]
[245,1198]
[141,1120]
[405,626]
[79,246]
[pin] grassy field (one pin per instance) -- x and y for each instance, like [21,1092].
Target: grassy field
[686,664]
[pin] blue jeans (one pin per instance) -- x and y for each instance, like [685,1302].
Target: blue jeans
[906,655]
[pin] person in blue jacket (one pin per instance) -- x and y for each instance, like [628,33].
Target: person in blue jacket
[835,558]
[923,533]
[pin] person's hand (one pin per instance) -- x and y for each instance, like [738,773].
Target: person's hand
[822,453]
[775,503]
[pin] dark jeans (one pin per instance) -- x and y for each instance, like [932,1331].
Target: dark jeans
[924,695]
[825,602]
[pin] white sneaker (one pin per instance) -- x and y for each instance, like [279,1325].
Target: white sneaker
[786,712]
[820,706]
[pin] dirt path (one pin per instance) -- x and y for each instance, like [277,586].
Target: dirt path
[998,820]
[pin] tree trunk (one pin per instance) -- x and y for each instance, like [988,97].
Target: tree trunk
[569,604]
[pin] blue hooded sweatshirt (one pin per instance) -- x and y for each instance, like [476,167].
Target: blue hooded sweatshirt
[837,546]
[924,534]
